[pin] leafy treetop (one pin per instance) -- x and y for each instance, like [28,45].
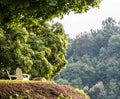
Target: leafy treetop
[14,10]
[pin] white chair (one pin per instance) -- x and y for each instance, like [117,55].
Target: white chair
[19,75]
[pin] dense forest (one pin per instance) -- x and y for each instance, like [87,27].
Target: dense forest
[94,62]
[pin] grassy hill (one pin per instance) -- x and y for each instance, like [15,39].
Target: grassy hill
[38,90]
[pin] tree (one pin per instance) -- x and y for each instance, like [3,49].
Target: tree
[40,53]
[114,44]
[98,91]
[82,45]
[113,89]
[23,10]
[62,81]
[28,42]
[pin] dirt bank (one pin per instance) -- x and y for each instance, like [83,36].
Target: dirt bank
[38,90]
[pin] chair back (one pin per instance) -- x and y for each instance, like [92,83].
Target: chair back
[19,74]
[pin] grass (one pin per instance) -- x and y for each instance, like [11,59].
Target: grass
[17,81]
[24,81]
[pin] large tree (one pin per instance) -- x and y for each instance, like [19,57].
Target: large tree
[26,41]
[40,52]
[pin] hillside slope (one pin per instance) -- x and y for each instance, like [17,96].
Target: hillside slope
[38,90]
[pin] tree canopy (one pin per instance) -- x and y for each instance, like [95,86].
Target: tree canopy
[41,53]
[23,10]
[27,41]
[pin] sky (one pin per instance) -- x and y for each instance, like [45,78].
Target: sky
[74,24]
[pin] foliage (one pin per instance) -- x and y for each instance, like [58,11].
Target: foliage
[61,96]
[82,93]
[23,95]
[98,90]
[39,51]
[94,62]
[62,81]
[21,11]
[26,41]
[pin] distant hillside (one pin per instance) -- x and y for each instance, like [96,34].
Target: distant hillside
[38,90]
[94,62]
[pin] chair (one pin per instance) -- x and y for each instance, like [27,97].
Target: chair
[19,75]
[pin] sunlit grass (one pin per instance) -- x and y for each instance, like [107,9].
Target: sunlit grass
[24,81]
[17,81]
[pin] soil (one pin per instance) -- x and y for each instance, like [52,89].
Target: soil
[38,90]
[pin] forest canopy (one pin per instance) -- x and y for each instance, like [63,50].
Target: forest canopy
[94,62]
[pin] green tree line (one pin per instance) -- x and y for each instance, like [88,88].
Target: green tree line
[94,62]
